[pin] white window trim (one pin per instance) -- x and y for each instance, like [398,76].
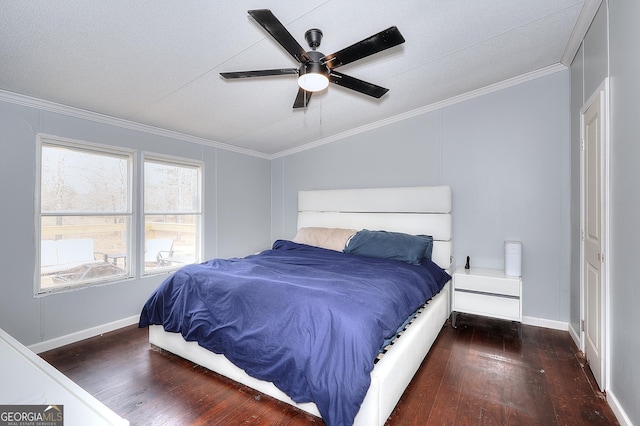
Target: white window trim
[178,161]
[48,139]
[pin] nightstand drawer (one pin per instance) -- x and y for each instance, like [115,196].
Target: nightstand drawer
[486,304]
[488,284]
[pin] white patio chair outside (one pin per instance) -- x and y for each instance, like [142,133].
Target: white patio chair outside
[158,250]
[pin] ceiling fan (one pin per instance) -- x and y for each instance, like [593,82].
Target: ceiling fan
[317,69]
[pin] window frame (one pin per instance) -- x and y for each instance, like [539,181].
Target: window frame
[199,234]
[43,140]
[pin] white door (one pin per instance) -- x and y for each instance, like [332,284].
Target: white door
[593,122]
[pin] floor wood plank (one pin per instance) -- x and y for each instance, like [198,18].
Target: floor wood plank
[480,373]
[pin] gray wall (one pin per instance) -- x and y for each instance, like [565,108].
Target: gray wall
[624,34]
[506,156]
[237,219]
[610,49]
[589,69]
[400,154]
[577,100]
[511,158]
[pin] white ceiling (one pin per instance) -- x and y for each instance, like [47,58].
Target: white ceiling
[157,62]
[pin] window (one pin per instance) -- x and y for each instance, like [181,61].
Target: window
[85,214]
[87,219]
[172,214]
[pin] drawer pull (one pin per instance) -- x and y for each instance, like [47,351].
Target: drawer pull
[503,296]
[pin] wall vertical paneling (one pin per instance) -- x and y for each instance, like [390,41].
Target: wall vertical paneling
[32,320]
[244,204]
[624,67]
[577,100]
[506,157]
[19,312]
[610,50]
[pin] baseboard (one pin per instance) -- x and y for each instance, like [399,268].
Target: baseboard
[617,409]
[546,323]
[575,335]
[83,334]
[613,402]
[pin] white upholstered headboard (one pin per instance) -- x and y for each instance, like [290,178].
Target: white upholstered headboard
[412,210]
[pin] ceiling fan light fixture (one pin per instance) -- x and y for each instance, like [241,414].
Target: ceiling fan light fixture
[317,70]
[313,77]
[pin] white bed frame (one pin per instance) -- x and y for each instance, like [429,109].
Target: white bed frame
[413,210]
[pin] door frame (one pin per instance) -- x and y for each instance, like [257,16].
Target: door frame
[603,91]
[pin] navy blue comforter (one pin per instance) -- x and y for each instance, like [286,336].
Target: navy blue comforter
[307,319]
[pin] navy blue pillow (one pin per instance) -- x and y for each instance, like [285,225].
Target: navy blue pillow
[429,250]
[390,245]
[441,276]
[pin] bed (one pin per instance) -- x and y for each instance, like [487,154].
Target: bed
[414,211]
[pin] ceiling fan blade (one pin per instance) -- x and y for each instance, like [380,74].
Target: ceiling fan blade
[302,99]
[356,84]
[376,43]
[259,73]
[274,27]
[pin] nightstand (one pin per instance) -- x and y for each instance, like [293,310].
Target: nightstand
[487,292]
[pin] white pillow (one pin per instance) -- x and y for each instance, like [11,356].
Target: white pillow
[329,238]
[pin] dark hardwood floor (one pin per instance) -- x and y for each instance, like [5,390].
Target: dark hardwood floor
[480,373]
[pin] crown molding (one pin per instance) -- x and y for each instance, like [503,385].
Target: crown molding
[428,108]
[40,104]
[31,102]
[587,14]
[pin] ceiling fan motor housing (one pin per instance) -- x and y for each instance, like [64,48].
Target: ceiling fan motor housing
[313,37]
[314,65]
